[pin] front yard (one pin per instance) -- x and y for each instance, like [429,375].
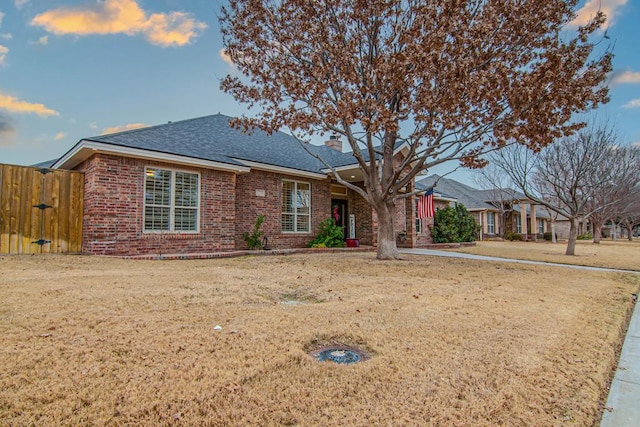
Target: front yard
[101,341]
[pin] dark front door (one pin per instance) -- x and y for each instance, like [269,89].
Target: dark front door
[339,213]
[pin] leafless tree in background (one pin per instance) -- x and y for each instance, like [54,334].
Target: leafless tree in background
[499,187]
[619,177]
[566,176]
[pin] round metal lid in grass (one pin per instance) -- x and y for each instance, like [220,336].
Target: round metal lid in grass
[342,354]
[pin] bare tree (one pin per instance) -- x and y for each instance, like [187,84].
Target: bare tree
[630,216]
[499,189]
[566,176]
[448,81]
[619,175]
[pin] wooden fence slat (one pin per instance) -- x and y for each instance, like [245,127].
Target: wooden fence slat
[4,209]
[21,224]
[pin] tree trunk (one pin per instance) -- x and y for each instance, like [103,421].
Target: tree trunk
[614,230]
[597,231]
[387,248]
[630,232]
[573,237]
[554,239]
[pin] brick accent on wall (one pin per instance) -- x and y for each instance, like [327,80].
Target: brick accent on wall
[260,192]
[113,210]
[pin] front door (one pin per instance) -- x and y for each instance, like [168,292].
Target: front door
[339,213]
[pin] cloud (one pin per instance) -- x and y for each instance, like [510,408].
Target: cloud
[93,125]
[122,17]
[44,40]
[627,77]
[130,126]
[225,57]
[15,105]
[60,135]
[610,8]
[1,17]
[20,3]
[634,103]
[6,36]
[3,54]
[7,130]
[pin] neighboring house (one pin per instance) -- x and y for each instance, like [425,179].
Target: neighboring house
[495,211]
[197,185]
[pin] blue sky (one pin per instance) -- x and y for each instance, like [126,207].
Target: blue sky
[77,68]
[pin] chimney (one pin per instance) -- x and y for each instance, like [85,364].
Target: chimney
[334,142]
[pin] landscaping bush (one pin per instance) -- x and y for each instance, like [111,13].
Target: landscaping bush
[510,235]
[454,225]
[585,236]
[330,235]
[254,239]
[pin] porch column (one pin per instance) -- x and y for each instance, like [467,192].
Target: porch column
[483,220]
[523,220]
[534,223]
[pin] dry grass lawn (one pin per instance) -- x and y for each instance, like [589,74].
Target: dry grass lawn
[620,254]
[100,341]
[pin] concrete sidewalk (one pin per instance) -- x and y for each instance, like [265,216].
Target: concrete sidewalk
[623,404]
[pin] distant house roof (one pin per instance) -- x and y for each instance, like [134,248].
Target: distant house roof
[474,199]
[214,142]
[45,164]
[468,196]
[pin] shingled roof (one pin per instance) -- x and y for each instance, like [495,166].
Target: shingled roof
[212,139]
[468,196]
[474,199]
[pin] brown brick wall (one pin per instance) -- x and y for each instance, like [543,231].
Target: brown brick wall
[249,205]
[113,210]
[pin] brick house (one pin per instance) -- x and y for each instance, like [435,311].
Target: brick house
[195,186]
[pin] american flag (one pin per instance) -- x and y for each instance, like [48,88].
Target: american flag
[425,205]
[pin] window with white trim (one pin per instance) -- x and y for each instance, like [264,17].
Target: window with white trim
[171,201]
[296,207]
[541,226]
[518,224]
[491,223]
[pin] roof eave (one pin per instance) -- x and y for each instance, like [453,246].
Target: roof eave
[282,169]
[86,148]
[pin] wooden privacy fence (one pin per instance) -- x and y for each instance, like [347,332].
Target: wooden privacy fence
[40,210]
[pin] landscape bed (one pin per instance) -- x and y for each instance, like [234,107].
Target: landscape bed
[104,341]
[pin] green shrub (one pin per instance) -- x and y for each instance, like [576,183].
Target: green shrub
[329,234]
[254,239]
[585,236]
[510,235]
[548,236]
[454,225]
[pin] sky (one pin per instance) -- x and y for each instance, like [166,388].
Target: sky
[71,69]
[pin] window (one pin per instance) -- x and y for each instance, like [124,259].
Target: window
[296,207]
[491,223]
[171,200]
[541,226]
[418,220]
[518,224]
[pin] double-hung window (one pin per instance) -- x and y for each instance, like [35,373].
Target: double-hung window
[171,201]
[518,224]
[541,226]
[296,207]
[491,223]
